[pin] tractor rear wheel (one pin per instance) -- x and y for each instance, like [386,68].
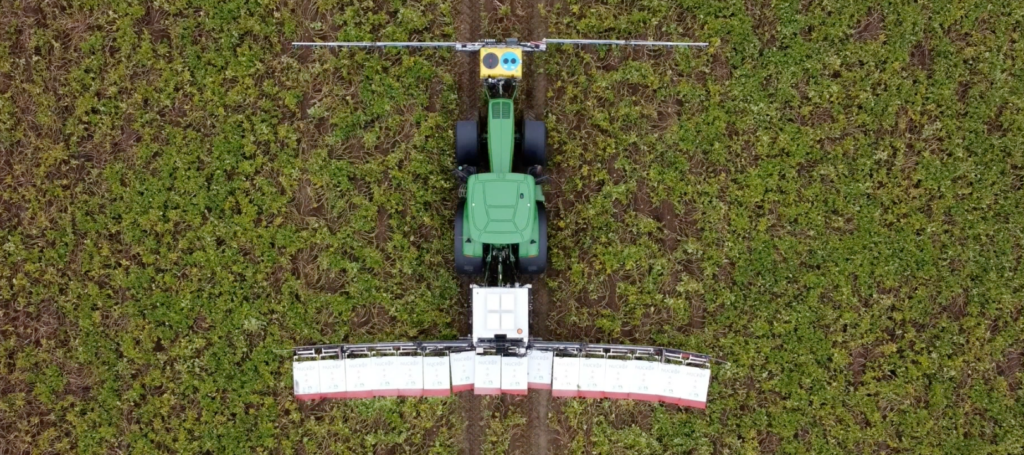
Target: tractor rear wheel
[535,138]
[539,263]
[467,143]
[464,265]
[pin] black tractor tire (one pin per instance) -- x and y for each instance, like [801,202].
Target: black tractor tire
[467,143]
[535,140]
[464,265]
[539,263]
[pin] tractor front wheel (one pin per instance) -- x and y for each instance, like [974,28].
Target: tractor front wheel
[538,264]
[467,143]
[535,138]
[464,265]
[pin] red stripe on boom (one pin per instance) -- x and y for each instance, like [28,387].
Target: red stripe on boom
[692,404]
[644,397]
[486,391]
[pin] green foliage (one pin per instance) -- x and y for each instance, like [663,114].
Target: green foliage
[833,207]
[184,197]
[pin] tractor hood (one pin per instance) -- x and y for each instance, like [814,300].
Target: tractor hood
[501,134]
[501,208]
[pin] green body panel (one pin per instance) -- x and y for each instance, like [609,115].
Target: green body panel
[528,248]
[470,246]
[501,134]
[501,208]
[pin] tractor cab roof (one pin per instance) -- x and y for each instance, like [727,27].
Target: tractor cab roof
[501,207]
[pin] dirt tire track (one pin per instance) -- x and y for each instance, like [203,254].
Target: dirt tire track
[536,80]
[533,109]
[538,403]
[473,436]
[467,29]
[538,430]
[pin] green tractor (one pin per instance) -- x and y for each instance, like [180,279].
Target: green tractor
[500,221]
[500,234]
[501,227]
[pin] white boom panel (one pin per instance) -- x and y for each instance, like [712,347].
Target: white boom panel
[647,380]
[694,391]
[387,377]
[618,381]
[332,378]
[513,375]
[488,375]
[361,376]
[436,377]
[672,375]
[306,378]
[463,370]
[539,369]
[565,377]
[592,377]
[497,366]
[409,376]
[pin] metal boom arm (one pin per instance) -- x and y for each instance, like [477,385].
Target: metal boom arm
[476,46]
[457,46]
[623,42]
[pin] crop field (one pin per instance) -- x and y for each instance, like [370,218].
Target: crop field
[829,198]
